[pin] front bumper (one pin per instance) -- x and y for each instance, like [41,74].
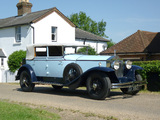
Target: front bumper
[128,84]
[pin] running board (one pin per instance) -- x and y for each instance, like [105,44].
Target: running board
[50,83]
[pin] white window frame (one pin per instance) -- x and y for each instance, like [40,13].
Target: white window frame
[54,33]
[18,34]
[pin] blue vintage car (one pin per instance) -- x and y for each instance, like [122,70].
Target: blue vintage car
[59,65]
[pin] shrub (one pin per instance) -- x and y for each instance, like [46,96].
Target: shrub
[149,67]
[89,49]
[151,73]
[15,60]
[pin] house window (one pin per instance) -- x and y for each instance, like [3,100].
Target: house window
[18,34]
[54,34]
[2,62]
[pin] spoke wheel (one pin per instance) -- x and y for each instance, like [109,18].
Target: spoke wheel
[25,82]
[71,72]
[98,86]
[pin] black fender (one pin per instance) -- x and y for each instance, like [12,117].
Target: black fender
[30,71]
[81,80]
[131,72]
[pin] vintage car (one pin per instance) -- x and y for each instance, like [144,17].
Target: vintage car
[59,65]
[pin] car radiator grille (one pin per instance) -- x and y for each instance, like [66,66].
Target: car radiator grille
[120,71]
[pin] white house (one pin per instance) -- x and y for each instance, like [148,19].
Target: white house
[46,26]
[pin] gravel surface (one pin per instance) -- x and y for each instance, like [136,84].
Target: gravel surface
[76,105]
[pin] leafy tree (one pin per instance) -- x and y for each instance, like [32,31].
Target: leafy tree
[15,60]
[89,50]
[84,22]
[110,44]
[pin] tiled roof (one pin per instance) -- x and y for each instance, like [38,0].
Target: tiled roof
[84,35]
[30,18]
[139,42]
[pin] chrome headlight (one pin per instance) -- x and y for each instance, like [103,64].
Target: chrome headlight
[116,65]
[128,64]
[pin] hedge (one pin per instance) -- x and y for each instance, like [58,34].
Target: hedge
[149,67]
[151,73]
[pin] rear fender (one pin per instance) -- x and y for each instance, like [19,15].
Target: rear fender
[81,80]
[30,71]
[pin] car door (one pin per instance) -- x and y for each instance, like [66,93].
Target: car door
[55,61]
[40,62]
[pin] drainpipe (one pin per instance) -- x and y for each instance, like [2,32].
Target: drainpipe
[33,34]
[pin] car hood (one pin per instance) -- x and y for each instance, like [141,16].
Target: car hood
[87,57]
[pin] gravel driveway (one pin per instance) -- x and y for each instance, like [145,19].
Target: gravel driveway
[140,107]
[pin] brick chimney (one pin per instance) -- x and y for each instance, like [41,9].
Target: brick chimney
[24,6]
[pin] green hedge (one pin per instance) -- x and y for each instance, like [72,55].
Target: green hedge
[15,60]
[148,66]
[151,73]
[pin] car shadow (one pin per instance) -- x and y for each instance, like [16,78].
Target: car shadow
[77,92]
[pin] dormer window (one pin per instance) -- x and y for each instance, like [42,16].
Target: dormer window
[54,34]
[18,34]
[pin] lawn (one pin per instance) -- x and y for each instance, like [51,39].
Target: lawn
[12,111]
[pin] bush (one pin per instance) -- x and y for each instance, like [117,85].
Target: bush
[151,73]
[15,60]
[89,49]
[149,67]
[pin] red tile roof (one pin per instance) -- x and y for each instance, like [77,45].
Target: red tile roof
[139,42]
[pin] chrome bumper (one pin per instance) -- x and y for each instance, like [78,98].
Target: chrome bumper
[128,84]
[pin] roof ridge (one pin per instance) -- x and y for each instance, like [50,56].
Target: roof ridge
[142,39]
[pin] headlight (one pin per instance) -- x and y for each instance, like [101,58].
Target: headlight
[128,64]
[115,65]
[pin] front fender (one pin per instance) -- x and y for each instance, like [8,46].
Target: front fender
[131,72]
[30,71]
[82,78]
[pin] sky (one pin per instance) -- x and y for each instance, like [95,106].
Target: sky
[123,17]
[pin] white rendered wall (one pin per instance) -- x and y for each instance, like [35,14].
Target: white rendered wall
[65,32]
[97,45]
[7,43]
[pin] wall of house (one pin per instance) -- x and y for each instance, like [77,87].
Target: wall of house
[8,44]
[97,45]
[65,32]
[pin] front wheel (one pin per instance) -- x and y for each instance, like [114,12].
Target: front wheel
[133,90]
[98,85]
[25,82]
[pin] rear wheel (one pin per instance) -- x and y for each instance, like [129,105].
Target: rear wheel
[71,72]
[98,85]
[133,90]
[25,82]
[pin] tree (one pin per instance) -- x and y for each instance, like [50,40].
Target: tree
[15,60]
[110,44]
[89,50]
[84,22]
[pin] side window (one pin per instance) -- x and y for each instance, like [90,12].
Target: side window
[2,62]
[18,34]
[54,34]
[55,50]
[41,51]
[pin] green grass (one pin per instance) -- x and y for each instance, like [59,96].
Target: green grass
[11,111]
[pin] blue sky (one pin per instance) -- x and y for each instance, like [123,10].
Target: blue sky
[123,17]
